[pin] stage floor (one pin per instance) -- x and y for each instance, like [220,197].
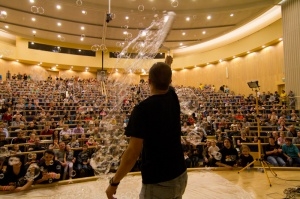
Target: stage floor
[201,184]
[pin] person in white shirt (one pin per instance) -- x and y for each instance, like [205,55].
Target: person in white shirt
[213,149]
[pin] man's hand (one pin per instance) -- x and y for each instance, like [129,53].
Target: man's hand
[169,60]
[110,191]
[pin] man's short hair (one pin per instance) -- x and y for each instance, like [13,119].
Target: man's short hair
[160,75]
[288,139]
[49,151]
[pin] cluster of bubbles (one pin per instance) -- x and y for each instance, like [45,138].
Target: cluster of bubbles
[188,100]
[136,53]
[97,47]
[3,14]
[37,10]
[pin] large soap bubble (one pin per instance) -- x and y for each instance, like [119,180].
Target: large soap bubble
[188,100]
[33,171]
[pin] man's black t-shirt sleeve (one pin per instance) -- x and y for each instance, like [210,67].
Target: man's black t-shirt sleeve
[136,123]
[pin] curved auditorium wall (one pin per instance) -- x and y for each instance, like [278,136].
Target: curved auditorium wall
[263,64]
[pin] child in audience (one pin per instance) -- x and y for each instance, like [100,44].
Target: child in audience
[70,160]
[245,157]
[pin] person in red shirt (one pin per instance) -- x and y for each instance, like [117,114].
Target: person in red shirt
[46,131]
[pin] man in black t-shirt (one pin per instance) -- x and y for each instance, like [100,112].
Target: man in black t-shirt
[154,128]
[229,155]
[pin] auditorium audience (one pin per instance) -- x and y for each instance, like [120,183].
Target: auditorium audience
[45,111]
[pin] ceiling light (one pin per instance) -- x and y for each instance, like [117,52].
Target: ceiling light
[82,28]
[82,38]
[183,33]
[33,19]
[6,26]
[220,60]
[180,44]
[58,23]
[31,1]
[79,50]
[126,17]
[188,19]
[208,17]
[125,33]
[84,12]
[34,32]
[32,43]
[59,36]
[58,7]
[204,32]
[231,14]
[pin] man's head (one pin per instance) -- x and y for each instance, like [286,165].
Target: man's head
[288,141]
[160,76]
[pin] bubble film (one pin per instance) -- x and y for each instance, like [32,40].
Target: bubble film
[137,55]
[188,100]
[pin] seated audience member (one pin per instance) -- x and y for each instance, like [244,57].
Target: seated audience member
[220,138]
[14,177]
[195,155]
[55,135]
[3,141]
[91,141]
[187,159]
[37,147]
[234,132]
[207,160]
[55,145]
[229,155]
[20,138]
[70,160]
[291,132]
[78,129]
[46,131]
[91,129]
[65,133]
[184,129]
[273,153]
[275,136]
[74,142]
[296,140]
[245,157]
[60,155]
[291,152]
[32,137]
[15,149]
[213,149]
[50,169]
[281,139]
[31,159]
[83,160]
[242,139]
[32,126]
[4,130]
